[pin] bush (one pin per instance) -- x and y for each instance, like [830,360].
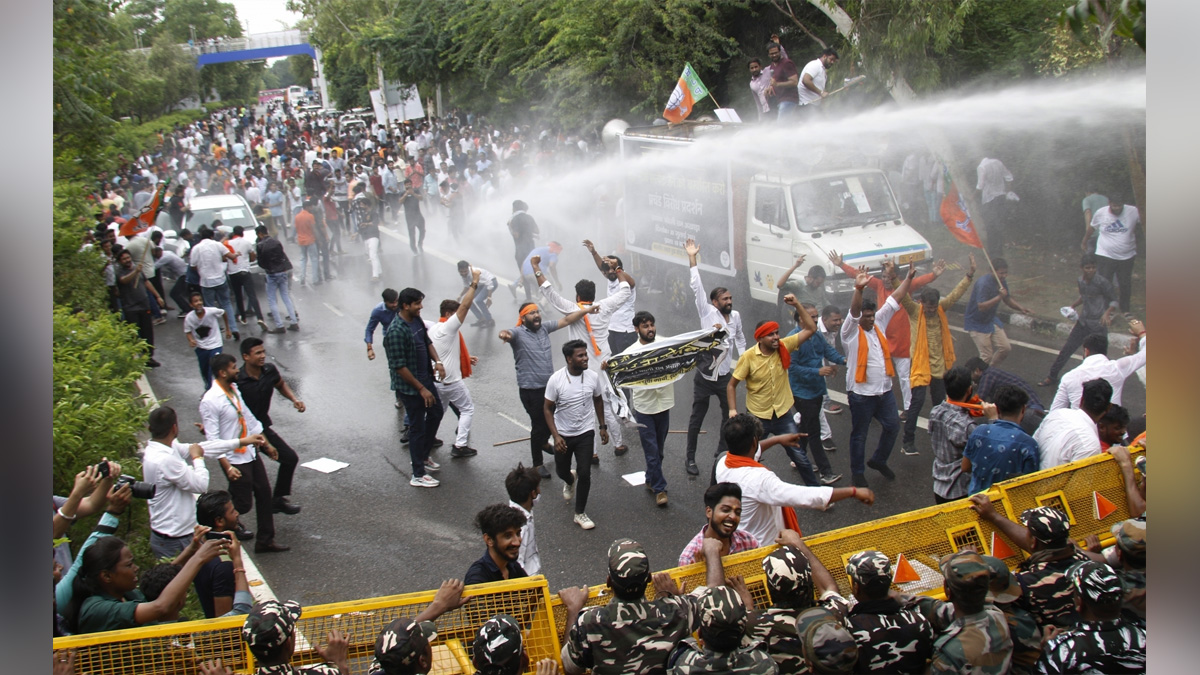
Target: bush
[97,412]
[133,138]
[78,275]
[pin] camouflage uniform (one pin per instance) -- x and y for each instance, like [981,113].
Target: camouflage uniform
[628,636]
[1047,591]
[400,646]
[1022,628]
[826,644]
[1116,646]
[976,643]
[268,626]
[1131,540]
[890,637]
[498,645]
[789,579]
[723,620]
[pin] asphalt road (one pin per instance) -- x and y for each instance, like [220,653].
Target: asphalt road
[365,532]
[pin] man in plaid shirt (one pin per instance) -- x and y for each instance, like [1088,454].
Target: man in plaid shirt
[723,507]
[950,425]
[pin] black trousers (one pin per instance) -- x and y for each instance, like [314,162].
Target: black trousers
[145,325]
[415,242]
[534,401]
[1075,339]
[937,391]
[253,490]
[810,423]
[288,459]
[1120,272]
[580,448]
[157,282]
[242,284]
[179,293]
[702,389]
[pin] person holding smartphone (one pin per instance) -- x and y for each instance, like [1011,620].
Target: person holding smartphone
[221,582]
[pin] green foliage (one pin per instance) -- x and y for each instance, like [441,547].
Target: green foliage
[83,84]
[97,359]
[132,138]
[78,281]
[1122,18]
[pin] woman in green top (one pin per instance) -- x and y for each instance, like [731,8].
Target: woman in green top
[105,590]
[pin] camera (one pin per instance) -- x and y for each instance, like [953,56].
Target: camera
[139,489]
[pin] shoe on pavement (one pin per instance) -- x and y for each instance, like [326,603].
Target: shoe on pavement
[883,469]
[692,469]
[833,409]
[859,480]
[595,459]
[569,490]
[425,481]
[270,547]
[282,505]
[404,436]
[160,321]
[660,499]
[399,405]
[437,443]
[828,445]
[151,363]
[830,479]
[237,336]
[277,331]
[543,471]
[243,534]
[432,465]
[582,520]
[263,325]
[620,450]
[1046,383]
[241,320]
[909,448]
[294,327]
[463,451]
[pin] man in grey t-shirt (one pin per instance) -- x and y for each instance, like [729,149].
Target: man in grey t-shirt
[530,342]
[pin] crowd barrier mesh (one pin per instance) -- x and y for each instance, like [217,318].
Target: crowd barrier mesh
[922,536]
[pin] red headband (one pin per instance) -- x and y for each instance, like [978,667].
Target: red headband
[766,329]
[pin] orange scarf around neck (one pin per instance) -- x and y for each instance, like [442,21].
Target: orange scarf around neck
[464,357]
[973,406]
[860,368]
[922,371]
[790,521]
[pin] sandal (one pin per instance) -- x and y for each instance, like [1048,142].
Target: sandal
[1046,382]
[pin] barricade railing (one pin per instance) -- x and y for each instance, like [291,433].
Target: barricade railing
[922,536]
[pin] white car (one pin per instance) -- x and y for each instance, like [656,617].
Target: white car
[230,210]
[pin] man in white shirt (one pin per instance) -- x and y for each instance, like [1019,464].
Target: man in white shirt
[715,309]
[524,486]
[202,328]
[652,409]
[572,406]
[992,179]
[869,373]
[760,79]
[209,256]
[240,279]
[486,285]
[1096,364]
[448,342]
[593,331]
[765,495]
[224,415]
[177,472]
[813,77]
[1068,434]
[1116,226]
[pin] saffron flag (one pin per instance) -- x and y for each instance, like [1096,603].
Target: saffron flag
[958,221]
[688,90]
[145,218]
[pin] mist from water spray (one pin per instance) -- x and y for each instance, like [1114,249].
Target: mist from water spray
[567,208]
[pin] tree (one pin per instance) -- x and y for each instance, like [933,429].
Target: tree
[209,18]
[84,83]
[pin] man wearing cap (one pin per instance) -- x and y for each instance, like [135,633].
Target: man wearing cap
[891,638]
[1046,534]
[974,635]
[791,572]
[1131,567]
[630,633]
[764,369]
[403,646]
[723,620]
[270,633]
[1101,641]
[499,649]
[827,647]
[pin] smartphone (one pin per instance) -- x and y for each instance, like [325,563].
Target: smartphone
[102,469]
[217,535]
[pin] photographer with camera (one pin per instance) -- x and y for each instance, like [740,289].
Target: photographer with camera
[176,473]
[89,496]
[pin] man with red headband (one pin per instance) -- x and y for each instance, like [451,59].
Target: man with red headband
[869,373]
[764,369]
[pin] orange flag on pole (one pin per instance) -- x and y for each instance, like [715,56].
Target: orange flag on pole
[145,218]
[688,90]
[958,221]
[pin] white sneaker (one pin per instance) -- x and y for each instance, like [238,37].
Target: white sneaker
[425,481]
[582,520]
[432,465]
[569,490]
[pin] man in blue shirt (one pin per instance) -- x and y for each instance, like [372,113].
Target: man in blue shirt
[549,256]
[807,374]
[980,318]
[989,379]
[382,315]
[1000,450]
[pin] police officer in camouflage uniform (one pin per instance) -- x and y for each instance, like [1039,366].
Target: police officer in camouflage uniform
[1131,568]
[632,634]
[270,633]
[790,572]
[891,638]
[1102,641]
[1004,591]
[499,649]
[404,646]
[723,621]
[1046,534]
[826,646]
[976,639]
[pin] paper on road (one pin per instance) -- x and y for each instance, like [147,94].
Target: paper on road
[325,465]
[635,478]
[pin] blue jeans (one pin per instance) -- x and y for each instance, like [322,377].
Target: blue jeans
[784,425]
[218,296]
[862,410]
[279,282]
[203,356]
[786,109]
[307,252]
[654,439]
[479,305]
[423,427]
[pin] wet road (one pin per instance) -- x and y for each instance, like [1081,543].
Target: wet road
[365,532]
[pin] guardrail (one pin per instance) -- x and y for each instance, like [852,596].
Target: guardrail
[922,536]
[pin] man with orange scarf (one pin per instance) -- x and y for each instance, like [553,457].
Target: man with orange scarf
[447,339]
[869,373]
[950,425]
[764,369]
[932,349]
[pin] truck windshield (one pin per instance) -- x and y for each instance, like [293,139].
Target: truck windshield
[843,201]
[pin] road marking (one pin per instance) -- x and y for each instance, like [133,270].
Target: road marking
[1027,345]
[434,252]
[333,309]
[514,420]
[838,396]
